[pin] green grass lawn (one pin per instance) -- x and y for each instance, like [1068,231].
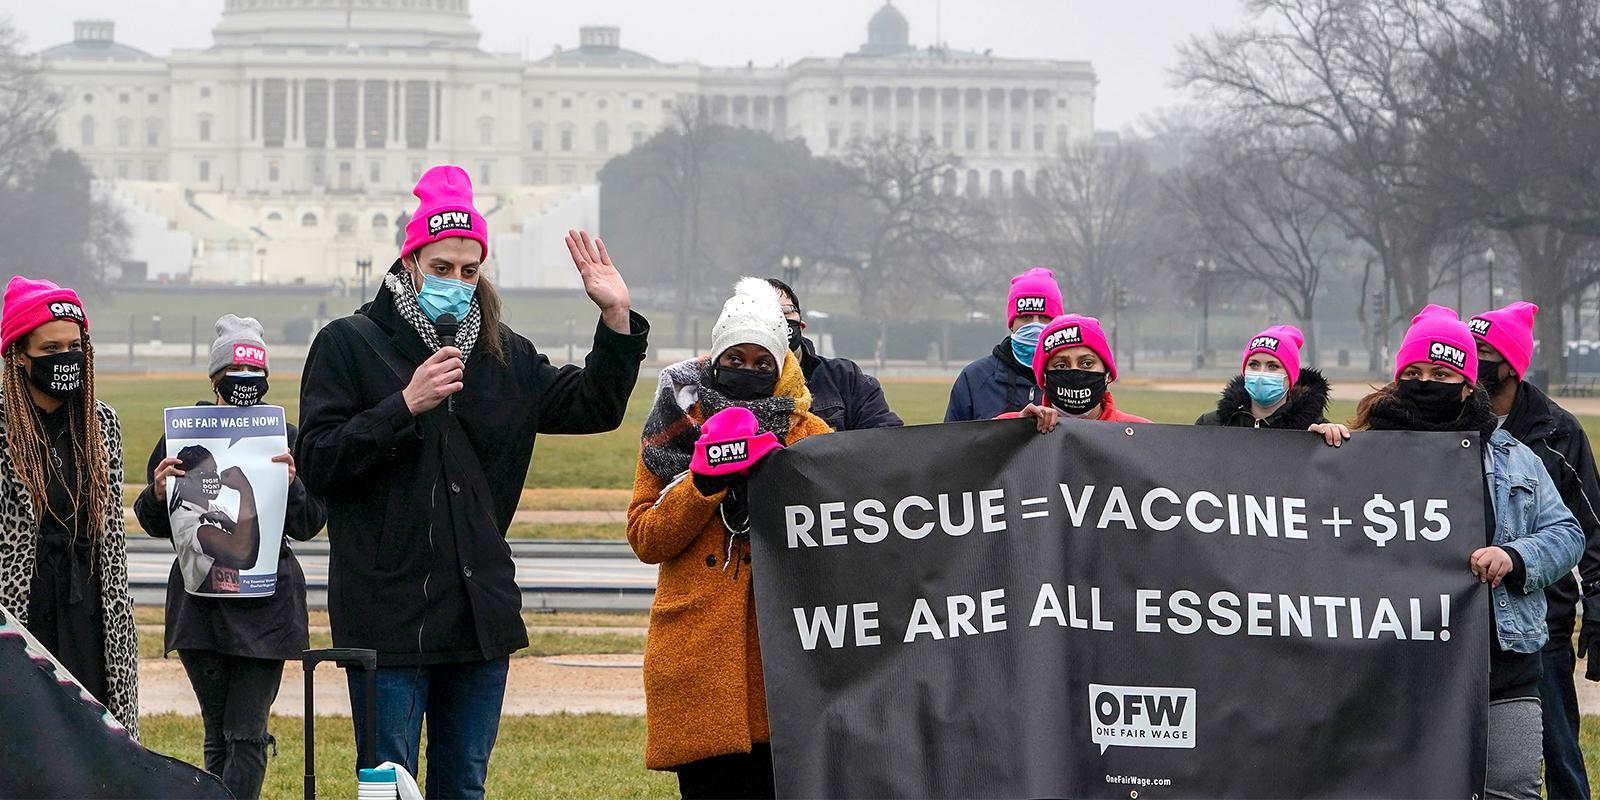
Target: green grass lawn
[536,757]
[543,317]
[545,638]
[568,756]
[607,460]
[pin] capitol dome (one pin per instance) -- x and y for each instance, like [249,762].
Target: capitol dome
[888,32]
[344,23]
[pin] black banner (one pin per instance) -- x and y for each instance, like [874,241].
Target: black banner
[1147,611]
[58,741]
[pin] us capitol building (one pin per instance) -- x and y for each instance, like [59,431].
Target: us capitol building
[286,150]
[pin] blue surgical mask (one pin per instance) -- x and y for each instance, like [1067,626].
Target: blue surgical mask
[1026,340]
[1265,388]
[440,296]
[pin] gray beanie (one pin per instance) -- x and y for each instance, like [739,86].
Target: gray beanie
[239,341]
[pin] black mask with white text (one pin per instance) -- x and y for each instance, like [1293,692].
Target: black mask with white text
[59,375]
[795,326]
[1075,391]
[242,389]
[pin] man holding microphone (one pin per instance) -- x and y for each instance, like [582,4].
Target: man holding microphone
[418,420]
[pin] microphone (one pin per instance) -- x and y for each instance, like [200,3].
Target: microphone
[446,326]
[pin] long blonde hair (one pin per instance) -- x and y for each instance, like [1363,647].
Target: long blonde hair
[26,446]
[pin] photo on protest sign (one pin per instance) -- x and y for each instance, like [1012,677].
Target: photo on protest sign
[1118,611]
[227,509]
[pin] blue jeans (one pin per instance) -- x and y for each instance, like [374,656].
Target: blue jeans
[462,705]
[1564,775]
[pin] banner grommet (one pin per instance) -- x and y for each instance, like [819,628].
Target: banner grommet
[1128,430]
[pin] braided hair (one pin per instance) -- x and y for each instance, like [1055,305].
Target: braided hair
[26,447]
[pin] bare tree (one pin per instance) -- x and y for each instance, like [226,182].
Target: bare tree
[28,120]
[1342,77]
[1511,137]
[1251,214]
[884,220]
[1094,214]
[684,179]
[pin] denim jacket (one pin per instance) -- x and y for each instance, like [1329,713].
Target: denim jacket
[1531,519]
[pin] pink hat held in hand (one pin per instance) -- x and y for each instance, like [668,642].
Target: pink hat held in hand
[1509,331]
[729,444]
[31,303]
[1438,336]
[1282,342]
[445,209]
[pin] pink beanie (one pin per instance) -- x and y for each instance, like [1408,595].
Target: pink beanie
[31,303]
[1437,336]
[1282,342]
[1508,330]
[1034,292]
[729,443]
[1071,330]
[445,210]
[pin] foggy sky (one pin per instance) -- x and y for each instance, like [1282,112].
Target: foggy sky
[1130,42]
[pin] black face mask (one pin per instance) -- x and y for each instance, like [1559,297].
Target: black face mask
[795,327]
[59,375]
[242,390]
[1075,391]
[1433,402]
[209,483]
[743,384]
[1489,375]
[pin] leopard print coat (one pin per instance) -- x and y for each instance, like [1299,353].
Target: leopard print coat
[19,540]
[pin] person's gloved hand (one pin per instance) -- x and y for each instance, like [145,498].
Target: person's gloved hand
[709,485]
[1589,638]
[729,446]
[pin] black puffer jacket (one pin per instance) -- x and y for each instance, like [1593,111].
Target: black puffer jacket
[1557,439]
[1306,405]
[418,507]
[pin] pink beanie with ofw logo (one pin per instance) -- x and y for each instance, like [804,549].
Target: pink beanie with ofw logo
[1282,342]
[445,209]
[1509,331]
[1071,330]
[1034,292]
[1438,336]
[729,443]
[31,303]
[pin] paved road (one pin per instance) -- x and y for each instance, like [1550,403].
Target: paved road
[553,575]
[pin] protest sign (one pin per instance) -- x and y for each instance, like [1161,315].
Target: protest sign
[1123,611]
[227,509]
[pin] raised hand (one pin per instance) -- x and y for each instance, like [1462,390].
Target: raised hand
[601,280]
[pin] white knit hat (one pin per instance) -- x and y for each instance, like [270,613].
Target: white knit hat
[752,316]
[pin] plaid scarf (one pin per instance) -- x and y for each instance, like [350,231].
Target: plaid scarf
[405,299]
[670,432]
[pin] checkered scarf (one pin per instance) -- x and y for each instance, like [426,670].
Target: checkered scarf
[405,299]
[670,432]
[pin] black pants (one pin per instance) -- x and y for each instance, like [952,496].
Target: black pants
[736,776]
[1564,776]
[236,695]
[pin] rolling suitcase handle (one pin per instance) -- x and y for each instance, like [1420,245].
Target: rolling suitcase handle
[345,658]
